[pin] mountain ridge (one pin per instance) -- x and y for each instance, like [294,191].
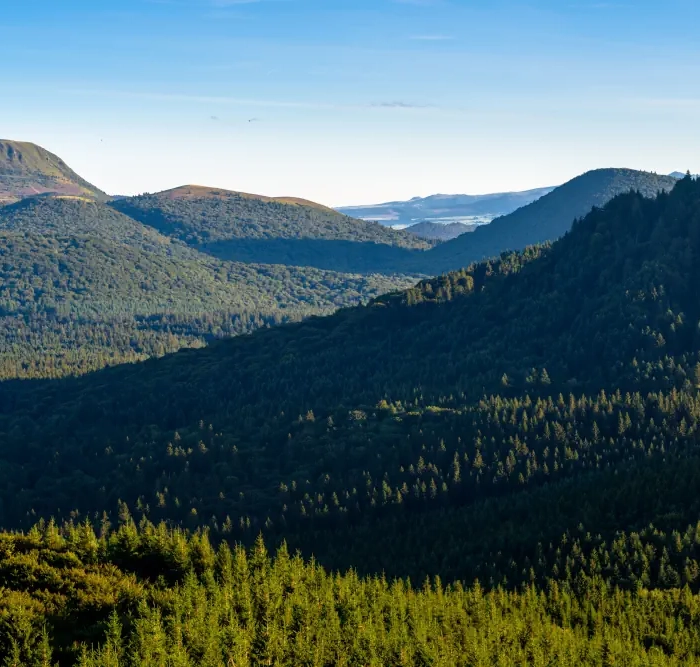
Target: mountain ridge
[292,231]
[198,214]
[445,207]
[27,169]
[192,191]
[547,218]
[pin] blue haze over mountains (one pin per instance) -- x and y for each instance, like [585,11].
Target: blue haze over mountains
[446,209]
[444,217]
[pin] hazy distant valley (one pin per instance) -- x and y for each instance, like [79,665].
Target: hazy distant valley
[469,210]
[459,214]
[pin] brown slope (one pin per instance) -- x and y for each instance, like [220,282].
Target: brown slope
[27,169]
[206,192]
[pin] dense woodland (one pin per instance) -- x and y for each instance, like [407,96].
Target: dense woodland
[547,218]
[196,216]
[245,228]
[496,466]
[83,286]
[440,231]
[147,596]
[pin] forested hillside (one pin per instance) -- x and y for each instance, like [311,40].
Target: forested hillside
[83,286]
[547,218]
[529,422]
[331,418]
[198,215]
[523,432]
[253,229]
[247,228]
[250,228]
[439,231]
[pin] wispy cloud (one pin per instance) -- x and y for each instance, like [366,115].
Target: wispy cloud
[234,122]
[432,38]
[186,98]
[216,4]
[400,105]
[420,3]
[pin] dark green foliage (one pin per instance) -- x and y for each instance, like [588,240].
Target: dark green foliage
[83,286]
[547,218]
[440,231]
[246,228]
[211,216]
[375,410]
[530,422]
[328,255]
[60,214]
[256,229]
[611,304]
[89,286]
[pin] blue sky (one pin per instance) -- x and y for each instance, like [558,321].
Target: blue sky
[356,101]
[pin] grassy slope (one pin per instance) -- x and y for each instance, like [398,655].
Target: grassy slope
[27,169]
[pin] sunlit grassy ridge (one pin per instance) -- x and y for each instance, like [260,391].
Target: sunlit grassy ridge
[27,169]
[204,192]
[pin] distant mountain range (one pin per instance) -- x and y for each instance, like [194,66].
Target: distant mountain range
[474,209]
[87,280]
[255,229]
[470,210]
